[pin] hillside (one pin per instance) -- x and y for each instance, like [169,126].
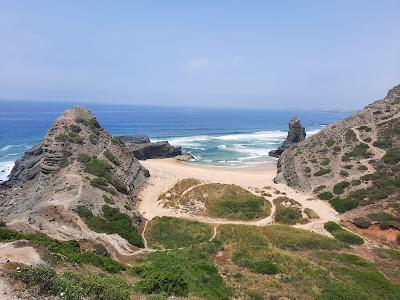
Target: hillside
[77,172]
[353,163]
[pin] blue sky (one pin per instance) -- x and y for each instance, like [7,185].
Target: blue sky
[269,54]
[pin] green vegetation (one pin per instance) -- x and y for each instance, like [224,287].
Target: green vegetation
[325,162]
[92,123]
[69,250]
[287,211]
[362,222]
[229,201]
[362,168]
[344,204]
[350,135]
[342,235]
[261,266]
[348,167]
[311,214]
[392,156]
[69,138]
[75,128]
[385,219]
[330,143]
[73,286]
[325,196]
[322,171]
[113,221]
[117,141]
[108,199]
[84,158]
[169,232]
[359,151]
[94,139]
[340,187]
[181,273]
[111,157]
[355,182]
[365,128]
[384,143]
[102,169]
[367,140]
[307,170]
[344,173]
[290,238]
[319,189]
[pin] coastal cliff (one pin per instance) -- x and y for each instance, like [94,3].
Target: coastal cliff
[353,163]
[78,165]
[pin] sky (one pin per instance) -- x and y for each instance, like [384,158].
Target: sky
[251,54]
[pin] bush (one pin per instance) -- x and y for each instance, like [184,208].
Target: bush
[84,158]
[385,219]
[322,171]
[93,138]
[262,266]
[340,187]
[342,235]
[108,199]
[111,157]
[100,183]
[117,141]
[307,170]
[330,142]
[98,167]
[325,196]
[319,188]
[343,173]
[75,128]
[355,182]
[113,221]
[365,128]
[384,144]
[359,151]
[344,204]
[325,162]
[362,223]
[392,156]
[362,168]
[287,215]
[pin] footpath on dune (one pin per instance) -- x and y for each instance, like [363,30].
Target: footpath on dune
[166,172]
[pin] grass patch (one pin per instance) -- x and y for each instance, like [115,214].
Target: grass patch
[229,201]
[182,274]
[342,235]
[385,219]
[383,143]
[260,266]
[361,150]
[113,221]
[287,211]
[344,204]
[169,232]
[392,156]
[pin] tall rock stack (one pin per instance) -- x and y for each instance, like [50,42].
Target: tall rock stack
[296,134]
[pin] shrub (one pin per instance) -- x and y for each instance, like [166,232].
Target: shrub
[325,162]
[311,214]
[99,182]
[108,199]
[365,128]
[319,188]
[330,142]
[367,140]
[84,158]
[348,167]
[343,173]
[75,128]
[322,172]
[362,168]
[325,196]
[384,144]
[362,222]
[392,156]
[359,151]
[356,182]
[93,138]
[118,184]
[287,215]
[262,266]
[117,140]
[98,167]
[111,157]
[385,219]
[344,204]
[340,187]
[341,234]
[307,170]
[113,221]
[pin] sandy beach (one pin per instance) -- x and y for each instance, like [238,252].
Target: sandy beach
[166,172]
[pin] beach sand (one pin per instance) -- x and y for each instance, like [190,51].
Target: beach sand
[164,173]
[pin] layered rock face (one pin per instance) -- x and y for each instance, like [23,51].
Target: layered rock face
[143,149]
[354,162]
[296,134]
[54,177]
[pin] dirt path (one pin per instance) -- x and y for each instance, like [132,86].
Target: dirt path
[214,233]
[143,234]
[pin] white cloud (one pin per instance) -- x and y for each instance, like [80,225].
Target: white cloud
[199,63]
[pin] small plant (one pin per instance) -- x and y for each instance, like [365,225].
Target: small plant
[340,187]
[325,162]
[330,143]
[319,189]
[75,128]
[322,172]
[344,173]
[111,157]
[84,158]
[93,138]
[365,128]
[307,170]
[362,168]
[325,196]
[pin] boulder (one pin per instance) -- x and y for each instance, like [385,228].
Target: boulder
[296,134]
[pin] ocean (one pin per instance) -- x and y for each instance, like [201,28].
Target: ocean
[216,136]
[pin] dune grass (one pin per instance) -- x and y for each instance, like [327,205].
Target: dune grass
[342,234]
[288,211]
[169,232]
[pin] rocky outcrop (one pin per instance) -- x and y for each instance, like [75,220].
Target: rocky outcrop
[296,134]
[52,178]
[143,149]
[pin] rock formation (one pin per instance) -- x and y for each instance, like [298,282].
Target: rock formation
[353,163]
[296,134]
[143,149]
[55,176]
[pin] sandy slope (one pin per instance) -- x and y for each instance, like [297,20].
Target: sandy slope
[166,172]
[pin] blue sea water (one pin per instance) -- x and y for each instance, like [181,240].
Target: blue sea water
[214,135]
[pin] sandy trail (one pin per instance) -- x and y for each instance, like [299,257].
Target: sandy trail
[166,172]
